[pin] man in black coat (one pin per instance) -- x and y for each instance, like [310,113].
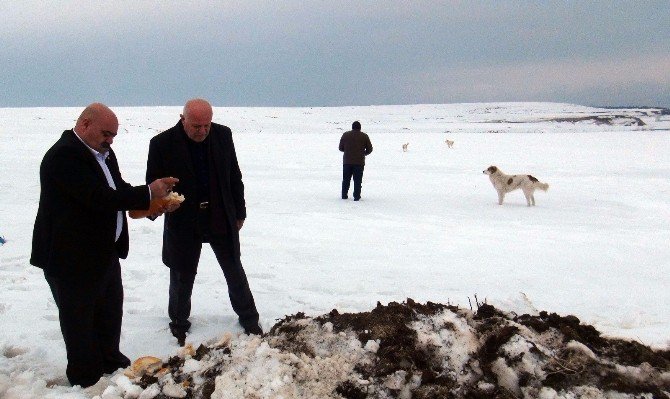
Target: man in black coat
[202,155]
[356,146]
[80,233]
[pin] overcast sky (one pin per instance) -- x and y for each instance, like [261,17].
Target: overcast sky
[331,53]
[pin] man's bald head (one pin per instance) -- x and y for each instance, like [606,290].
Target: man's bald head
[196,119]
[197,106]
[96,111]
[97,126]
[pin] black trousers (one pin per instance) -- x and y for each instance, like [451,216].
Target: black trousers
[90,312]
[181,288]
[349,171]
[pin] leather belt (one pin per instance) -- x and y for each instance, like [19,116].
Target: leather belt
[204,205]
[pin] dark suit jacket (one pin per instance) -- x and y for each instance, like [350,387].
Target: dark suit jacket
[356,146]
[75,227]
[169,156]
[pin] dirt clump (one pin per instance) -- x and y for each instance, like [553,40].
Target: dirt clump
[422,351]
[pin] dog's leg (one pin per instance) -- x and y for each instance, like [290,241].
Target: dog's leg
[501,197]
[529,196]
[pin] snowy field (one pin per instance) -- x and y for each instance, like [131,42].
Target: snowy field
[428,226]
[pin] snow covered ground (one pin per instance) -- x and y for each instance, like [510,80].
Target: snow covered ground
[428,225]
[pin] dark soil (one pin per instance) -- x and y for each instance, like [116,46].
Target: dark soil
[555,343]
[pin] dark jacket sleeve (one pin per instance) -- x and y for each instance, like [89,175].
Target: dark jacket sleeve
[368,145]
[71,173]
[236,184]
[74,232]
[153,162]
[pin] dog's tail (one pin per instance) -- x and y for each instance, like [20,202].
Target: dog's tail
[542,186]
[538,184]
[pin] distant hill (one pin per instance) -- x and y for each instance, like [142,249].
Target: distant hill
[662,110]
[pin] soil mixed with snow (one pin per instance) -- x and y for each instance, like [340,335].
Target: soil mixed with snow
[410,350]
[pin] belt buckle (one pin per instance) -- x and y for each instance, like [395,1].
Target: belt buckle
[204,205]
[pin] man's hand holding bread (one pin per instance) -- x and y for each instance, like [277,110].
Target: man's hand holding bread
[163,199]
[161,187]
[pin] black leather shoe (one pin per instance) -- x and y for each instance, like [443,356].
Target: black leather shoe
[180,335]
[345,197]
[113,363]
[254,329]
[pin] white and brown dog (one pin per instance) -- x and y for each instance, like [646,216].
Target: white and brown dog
[505,183]
[450,143]
[404,147]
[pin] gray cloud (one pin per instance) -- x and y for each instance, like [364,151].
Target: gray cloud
[626,80]
[299,53]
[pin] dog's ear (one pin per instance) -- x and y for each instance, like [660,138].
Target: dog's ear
[492,169]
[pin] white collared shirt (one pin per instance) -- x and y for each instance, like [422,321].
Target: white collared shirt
[101,158]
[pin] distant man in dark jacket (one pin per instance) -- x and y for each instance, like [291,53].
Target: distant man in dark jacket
[202,155]
[356,146]
[80,233]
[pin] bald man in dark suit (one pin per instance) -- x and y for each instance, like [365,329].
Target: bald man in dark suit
[80,233]
[202,155]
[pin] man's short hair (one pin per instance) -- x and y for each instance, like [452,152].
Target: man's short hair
[356,125]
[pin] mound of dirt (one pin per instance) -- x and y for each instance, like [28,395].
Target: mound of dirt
[413,350]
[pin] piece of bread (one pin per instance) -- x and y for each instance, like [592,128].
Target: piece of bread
[143,365]
[156,204]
